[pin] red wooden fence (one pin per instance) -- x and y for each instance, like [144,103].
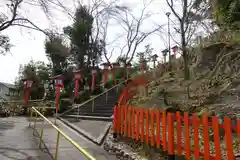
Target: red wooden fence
[174,133]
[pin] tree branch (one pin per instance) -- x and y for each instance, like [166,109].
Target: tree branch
[14,8]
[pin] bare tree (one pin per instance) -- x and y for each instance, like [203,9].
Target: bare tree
[13,17]
[189,18]
[133,33]
[102,12]
[16,19]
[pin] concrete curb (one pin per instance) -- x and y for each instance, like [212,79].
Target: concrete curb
[82,132]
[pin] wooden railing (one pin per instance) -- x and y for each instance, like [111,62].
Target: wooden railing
[176,134]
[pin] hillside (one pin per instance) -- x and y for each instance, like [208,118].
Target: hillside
[214,85]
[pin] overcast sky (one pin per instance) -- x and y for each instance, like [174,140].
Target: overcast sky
[29,44]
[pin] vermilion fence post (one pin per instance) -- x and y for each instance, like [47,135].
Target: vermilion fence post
[196,137]
[142,124]
[186,137]
[126,120]
[115,119]
[129,121]
[158,128]
[164,129]
[152,127]
[228,135]
[122,119]
[238,131]
[133,122]
[216,135]
[206,136]
[179,133]
[119,119]
[170,136]
[137,124]
[147,125]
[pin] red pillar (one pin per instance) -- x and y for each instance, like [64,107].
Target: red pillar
[128,69]
[114,72]
[27,86]
[94,73]
[78,76]
[105,72]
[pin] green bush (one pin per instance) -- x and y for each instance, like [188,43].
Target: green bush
[97,90]
[83,96]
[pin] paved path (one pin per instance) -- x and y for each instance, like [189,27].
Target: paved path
[17,141]
[66,150]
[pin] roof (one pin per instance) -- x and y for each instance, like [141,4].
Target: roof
[8,85]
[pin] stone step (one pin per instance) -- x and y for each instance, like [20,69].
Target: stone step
[99,118]
[97,106]
[96,114]
[96,111]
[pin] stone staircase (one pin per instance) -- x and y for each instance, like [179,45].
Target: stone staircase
[100,108]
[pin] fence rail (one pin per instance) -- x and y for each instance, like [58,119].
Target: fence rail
[179,135]
[44,119]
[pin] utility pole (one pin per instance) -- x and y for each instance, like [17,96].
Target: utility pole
[169,45]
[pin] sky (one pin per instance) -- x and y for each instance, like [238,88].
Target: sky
[29,44]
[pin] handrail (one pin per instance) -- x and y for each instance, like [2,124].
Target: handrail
[89,100]
[22,101]
[84,152]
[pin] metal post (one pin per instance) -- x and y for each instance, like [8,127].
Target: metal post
[106,97]
[169,45]
[93,105]
[57,145]
[55,122]
[35,121]
[34,126]
[30,118]
[78,113]
[41,135]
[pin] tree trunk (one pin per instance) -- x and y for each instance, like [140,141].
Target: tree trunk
[186,69]
[184,51]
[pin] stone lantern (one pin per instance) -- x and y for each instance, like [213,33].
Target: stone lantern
[175,50]
[164,53]
[143,65]
[154,58]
